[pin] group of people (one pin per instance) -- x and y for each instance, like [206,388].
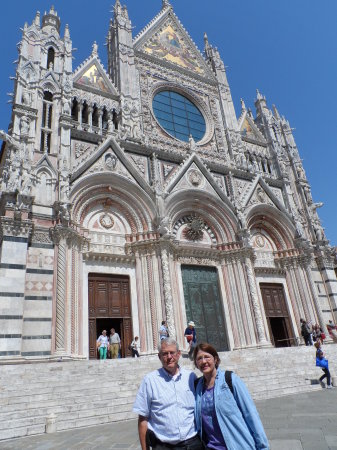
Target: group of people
[177,410]
[311,333]
[109,344]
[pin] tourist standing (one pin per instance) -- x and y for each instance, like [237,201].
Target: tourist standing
[102,345]
[191,338]
[225,414]
[165,404]
[163,331]
[135,347]
[306,332]
[115,344]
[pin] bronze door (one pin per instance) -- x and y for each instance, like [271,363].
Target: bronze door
[277,314]
[109,307]
[203,305]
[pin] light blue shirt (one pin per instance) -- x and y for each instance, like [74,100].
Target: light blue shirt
[168,404]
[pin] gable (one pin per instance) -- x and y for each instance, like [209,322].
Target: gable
[166,39]
[260,193]
[93,78]
[169,45]
[249,130]
[91,75]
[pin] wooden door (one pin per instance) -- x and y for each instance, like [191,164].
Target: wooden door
[277,314]
[203,305]
[109,298]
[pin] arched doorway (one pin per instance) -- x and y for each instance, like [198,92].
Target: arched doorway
[109,307]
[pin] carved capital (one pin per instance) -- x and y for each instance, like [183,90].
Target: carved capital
[13,227]
[69,236]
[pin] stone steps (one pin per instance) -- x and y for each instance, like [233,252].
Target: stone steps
[81,393]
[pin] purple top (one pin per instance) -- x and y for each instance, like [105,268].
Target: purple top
[211,433]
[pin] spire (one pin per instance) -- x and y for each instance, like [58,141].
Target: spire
[117,8]
[243,106]
[37,19]
[51,19]
[94,49]
[259,96]
[207,46]
[276,113]
[125,12]
[166,4]
[66,32]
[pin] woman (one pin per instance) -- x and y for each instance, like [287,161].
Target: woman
[323,364]
[224,419]
[191,338]
[135,347]
[102,345]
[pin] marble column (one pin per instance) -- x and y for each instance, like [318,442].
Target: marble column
[168,293]
[255,302]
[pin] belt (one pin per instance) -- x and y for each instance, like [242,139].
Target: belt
[182,443]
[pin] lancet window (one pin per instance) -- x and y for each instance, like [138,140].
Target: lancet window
[46,126]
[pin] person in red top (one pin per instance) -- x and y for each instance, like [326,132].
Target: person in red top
[191,338]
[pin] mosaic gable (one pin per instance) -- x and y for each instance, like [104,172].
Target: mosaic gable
[168,44]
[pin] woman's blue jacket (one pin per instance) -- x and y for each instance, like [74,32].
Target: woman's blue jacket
[238,418]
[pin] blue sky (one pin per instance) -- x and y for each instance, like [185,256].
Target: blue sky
[287,49]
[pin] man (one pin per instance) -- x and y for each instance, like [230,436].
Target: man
[165,404]
[115,344]
[306,332]
[163,331]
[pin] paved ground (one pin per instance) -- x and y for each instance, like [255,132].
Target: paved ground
[297,422]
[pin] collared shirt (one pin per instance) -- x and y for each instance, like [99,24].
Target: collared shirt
[114,338]
[168,404]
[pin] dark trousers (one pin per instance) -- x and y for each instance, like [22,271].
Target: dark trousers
[327,375]
[191,444]
[134,353]
[307,339]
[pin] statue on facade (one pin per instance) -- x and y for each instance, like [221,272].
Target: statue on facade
[24,126]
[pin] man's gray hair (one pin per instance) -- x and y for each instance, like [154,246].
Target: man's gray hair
[167,341]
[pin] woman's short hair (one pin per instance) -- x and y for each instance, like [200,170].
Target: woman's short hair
[167,341]
[208,348]
[317,344]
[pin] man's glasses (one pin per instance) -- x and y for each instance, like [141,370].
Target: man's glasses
[167,354]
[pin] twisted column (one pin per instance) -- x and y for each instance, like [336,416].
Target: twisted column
[168,293]
[60,297]
[316,302]
[255,301]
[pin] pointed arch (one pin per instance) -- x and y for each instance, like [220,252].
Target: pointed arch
[275,223]
[218,216]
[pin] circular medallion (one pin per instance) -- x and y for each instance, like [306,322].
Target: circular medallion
[194,229]
[106,220]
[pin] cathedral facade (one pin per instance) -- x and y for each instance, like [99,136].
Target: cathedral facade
[135,194]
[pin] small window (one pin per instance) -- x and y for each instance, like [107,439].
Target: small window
[178,116]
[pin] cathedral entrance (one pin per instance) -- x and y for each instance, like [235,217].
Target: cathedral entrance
[203,305]
[277,314]
[109,307]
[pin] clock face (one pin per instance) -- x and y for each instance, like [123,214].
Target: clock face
[106,220]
